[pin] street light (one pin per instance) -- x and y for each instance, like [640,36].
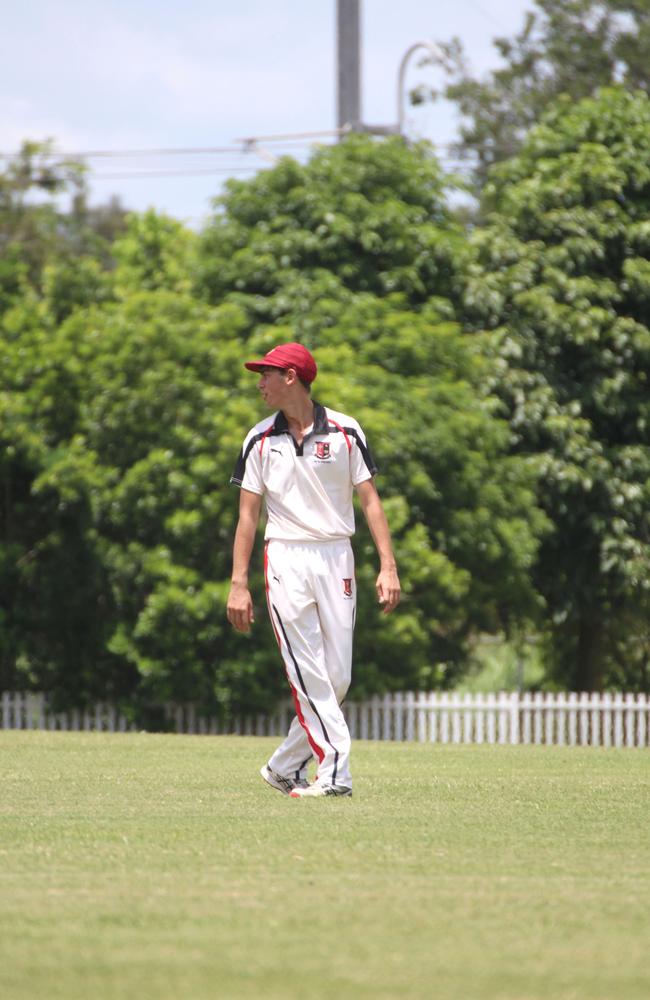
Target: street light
[398,129]
[433,50]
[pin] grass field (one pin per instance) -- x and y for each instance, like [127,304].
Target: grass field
[142,866]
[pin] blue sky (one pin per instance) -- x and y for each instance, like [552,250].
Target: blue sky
[140,75]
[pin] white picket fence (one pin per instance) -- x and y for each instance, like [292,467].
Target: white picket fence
[607,720]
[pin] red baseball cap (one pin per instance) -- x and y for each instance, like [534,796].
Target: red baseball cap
[287,356]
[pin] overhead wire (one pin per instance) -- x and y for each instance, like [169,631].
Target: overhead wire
[243,145]
[247,147]
[186,172]
[488,15]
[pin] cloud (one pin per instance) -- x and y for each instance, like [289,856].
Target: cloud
[133,74]
[111,73]
[20,120]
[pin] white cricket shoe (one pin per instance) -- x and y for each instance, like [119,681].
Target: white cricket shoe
[316,790]
[284,785]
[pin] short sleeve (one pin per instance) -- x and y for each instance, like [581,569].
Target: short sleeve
[362,462]
[248,468]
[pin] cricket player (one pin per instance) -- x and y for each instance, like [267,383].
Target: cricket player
[304,461]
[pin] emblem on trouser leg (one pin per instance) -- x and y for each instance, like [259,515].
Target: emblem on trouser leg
[347,586]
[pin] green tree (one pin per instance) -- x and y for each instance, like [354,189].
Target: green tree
[563,275]
[157,427]
[357,255]
[154,252]
[122,416]
[53,589]
[360,216]
[28,229]
[117,434]
[61,253]
[570,47]
[462,512]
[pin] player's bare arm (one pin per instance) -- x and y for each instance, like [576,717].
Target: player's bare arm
[240,603]
[387,584]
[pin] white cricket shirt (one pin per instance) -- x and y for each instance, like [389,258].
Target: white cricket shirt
[307,487]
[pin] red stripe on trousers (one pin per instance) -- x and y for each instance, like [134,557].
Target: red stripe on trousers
[268,600]
[296,701]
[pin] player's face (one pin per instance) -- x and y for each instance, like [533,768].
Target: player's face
[273,387]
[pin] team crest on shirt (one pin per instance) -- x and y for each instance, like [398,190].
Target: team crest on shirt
[322,449]
[347,586]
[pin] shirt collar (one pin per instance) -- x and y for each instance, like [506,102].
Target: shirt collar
[321,425]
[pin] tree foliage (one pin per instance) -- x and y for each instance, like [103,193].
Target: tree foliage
[501,382]
[570,47]
[122,415]
[118,438]
[357,255]
[46,248]
[360,217]
[563,274]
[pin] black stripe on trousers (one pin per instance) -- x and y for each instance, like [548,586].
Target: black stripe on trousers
[303,765]
[306,694]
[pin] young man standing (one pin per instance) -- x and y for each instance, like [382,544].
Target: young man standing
[305,460]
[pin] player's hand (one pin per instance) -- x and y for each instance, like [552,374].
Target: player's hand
[388,590]
[240,608]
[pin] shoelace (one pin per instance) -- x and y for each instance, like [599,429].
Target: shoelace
[288,783]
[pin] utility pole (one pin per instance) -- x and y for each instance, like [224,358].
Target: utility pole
[348,54]
[348,40]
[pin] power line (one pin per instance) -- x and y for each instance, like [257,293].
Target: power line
[289,140]
[189,172]
[330,132]
[453,165]
[488,15]
[105,153]
[247,144]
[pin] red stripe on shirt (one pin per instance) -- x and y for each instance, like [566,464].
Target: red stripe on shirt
[342,430]
[264,437]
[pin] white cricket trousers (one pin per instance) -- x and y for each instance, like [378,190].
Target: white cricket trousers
[311,593]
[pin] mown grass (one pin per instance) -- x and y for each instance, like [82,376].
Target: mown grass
[143,866]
